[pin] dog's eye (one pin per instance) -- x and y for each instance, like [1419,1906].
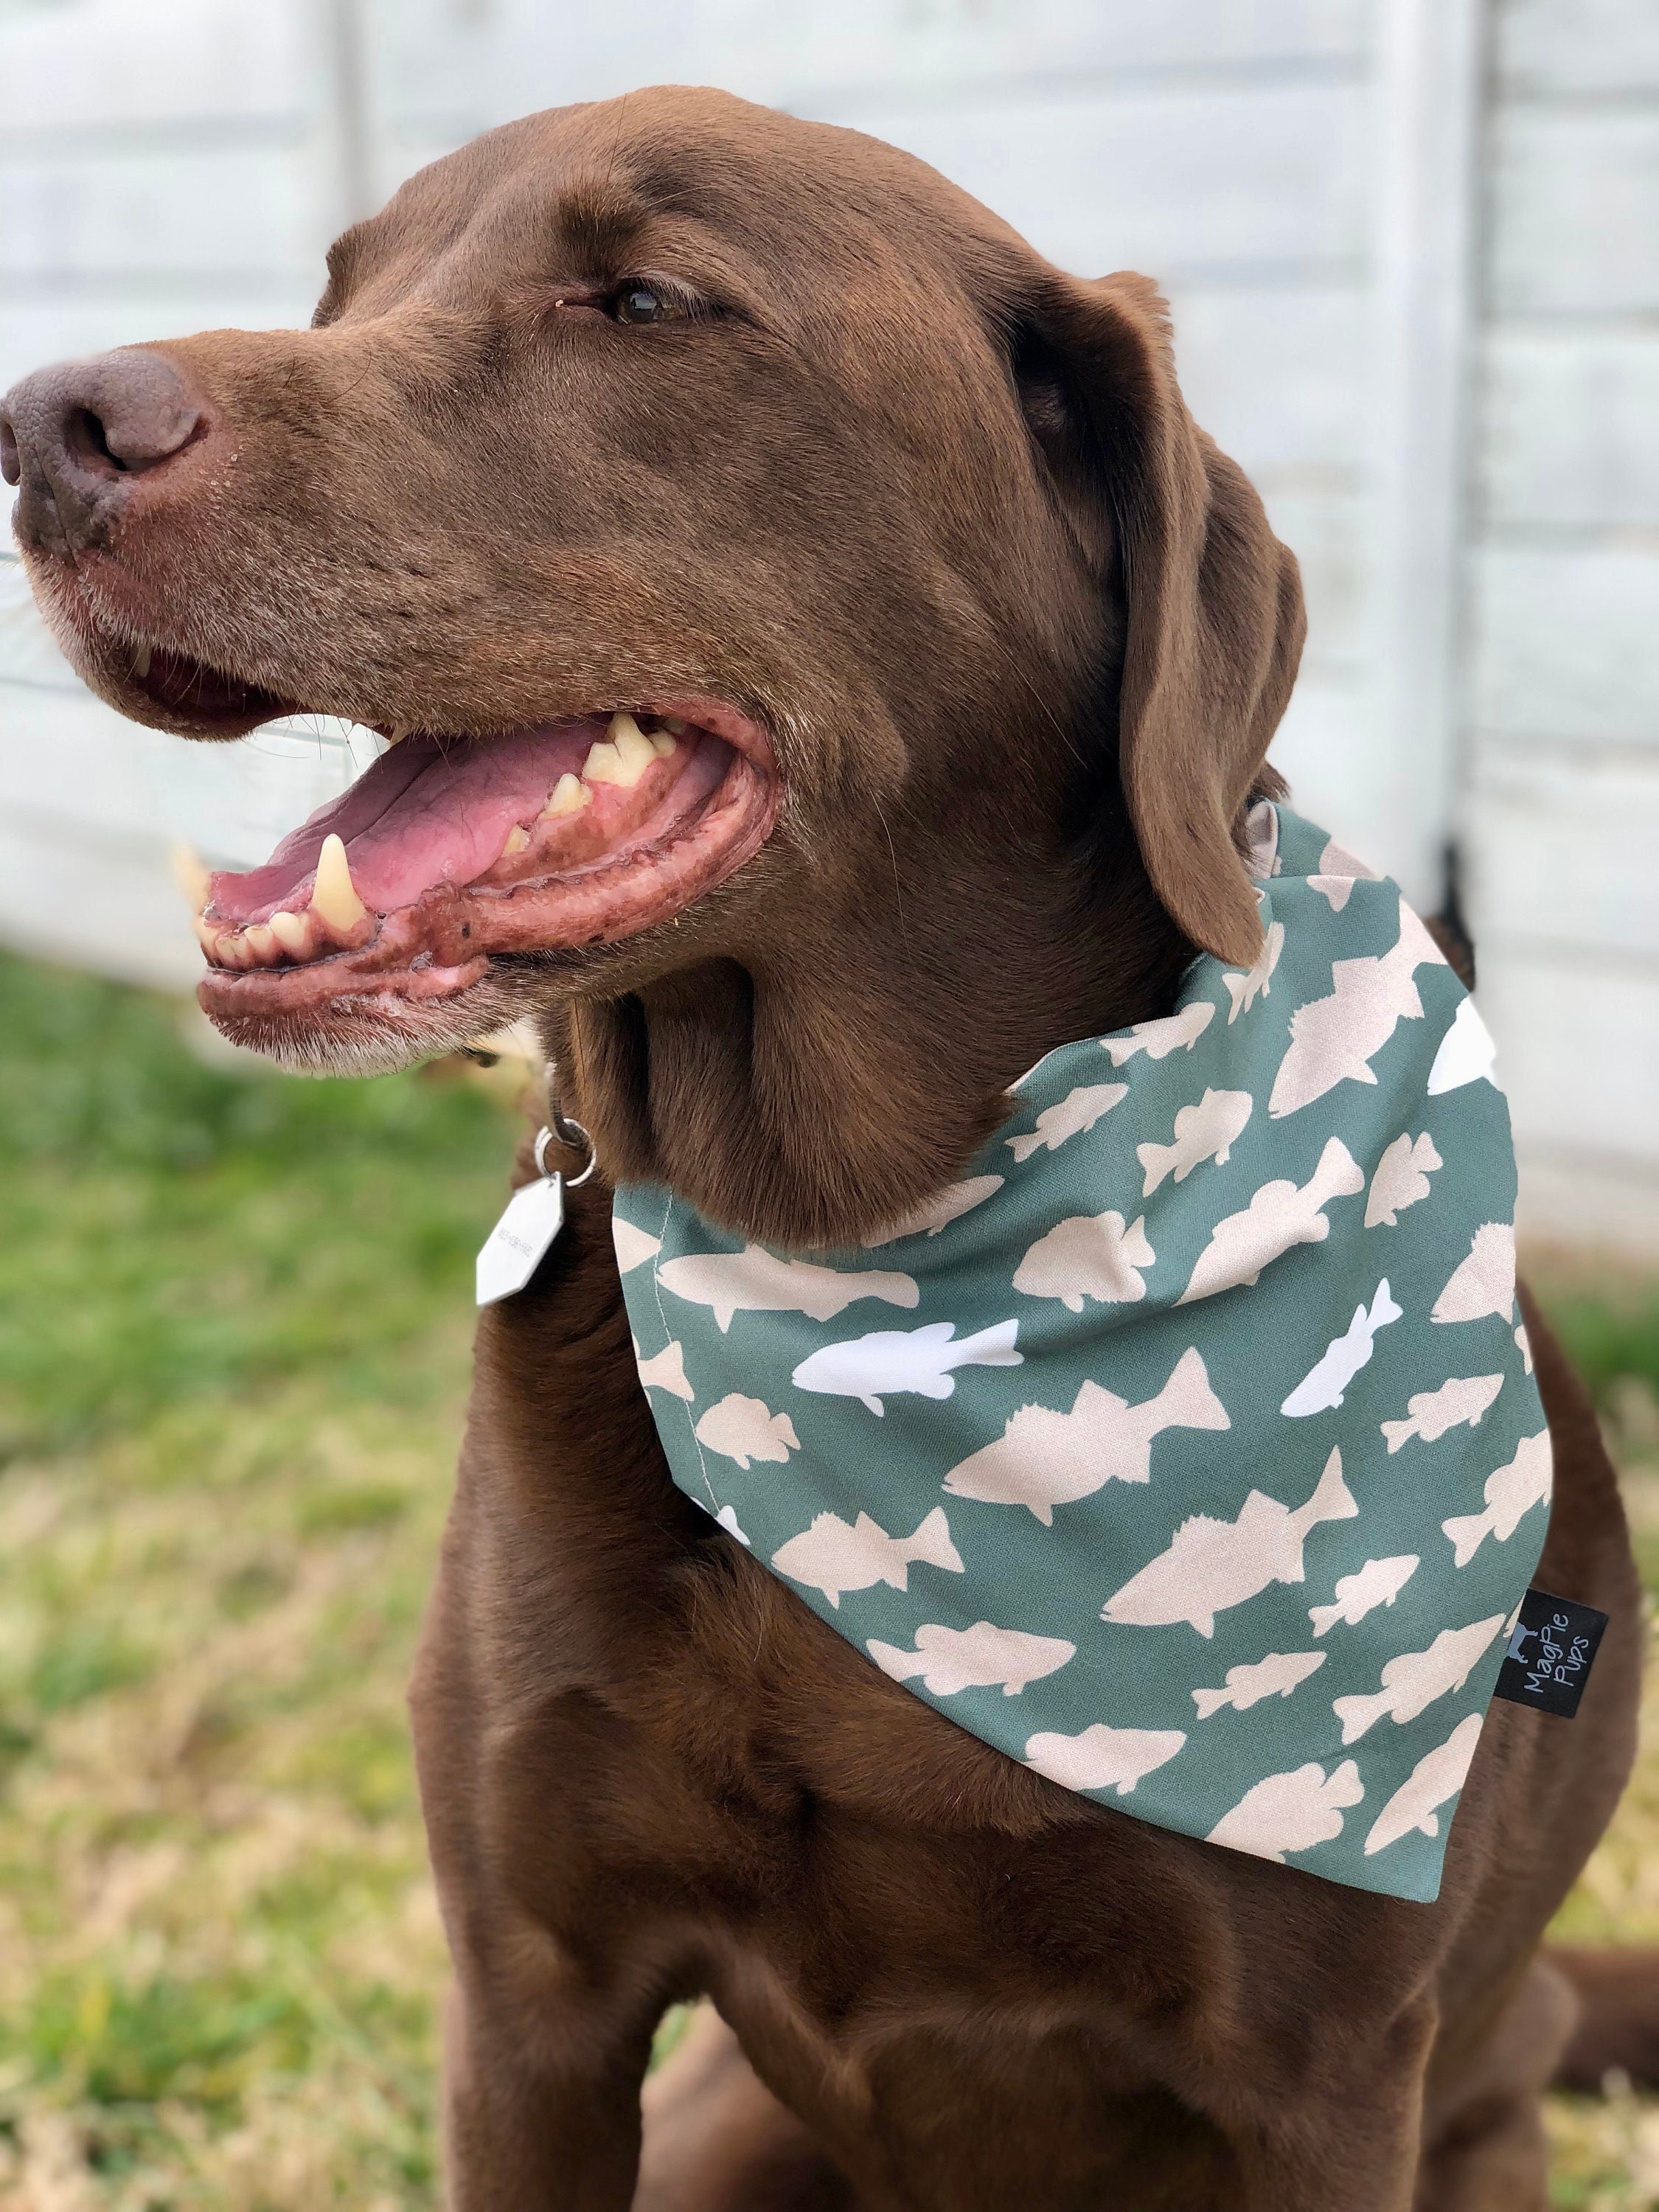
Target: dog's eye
[641,303]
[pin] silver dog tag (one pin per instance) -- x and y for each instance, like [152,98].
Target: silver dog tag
[519,1243]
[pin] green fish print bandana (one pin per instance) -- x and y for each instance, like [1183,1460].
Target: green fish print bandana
[1187,1449]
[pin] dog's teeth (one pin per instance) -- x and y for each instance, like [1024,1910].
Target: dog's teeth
[662,743]
[672,724]
[260,939]
[191,876]
[634,748]
[623,759]
[229,951]
[207,935]
[141,662]
[292,931]
[334,896]
[569,796]
[517,838]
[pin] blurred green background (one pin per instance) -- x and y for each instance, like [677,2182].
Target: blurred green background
[234,1313]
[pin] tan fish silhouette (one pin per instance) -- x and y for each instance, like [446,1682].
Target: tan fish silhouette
[1044,1459]
[1278,1216]
[1413,1679]
[1511,1491]
[1204,1132]
[1334,1039]
[833,1556]
[1211,1566]
[1440,1774]
[755,1280]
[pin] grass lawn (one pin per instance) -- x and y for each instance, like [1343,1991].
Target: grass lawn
[234,1315]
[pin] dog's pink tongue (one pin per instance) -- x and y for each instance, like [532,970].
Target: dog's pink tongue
[431,811]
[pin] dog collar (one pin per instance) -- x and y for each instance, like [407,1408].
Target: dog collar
[1187,1449]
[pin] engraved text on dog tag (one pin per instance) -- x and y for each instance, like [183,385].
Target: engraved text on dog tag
[517,1245]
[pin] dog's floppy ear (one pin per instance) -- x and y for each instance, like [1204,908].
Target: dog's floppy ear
[1213,611]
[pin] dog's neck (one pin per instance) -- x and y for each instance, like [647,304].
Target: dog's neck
[813,1095]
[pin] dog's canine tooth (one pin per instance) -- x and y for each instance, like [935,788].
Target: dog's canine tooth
[623,757]
[292,931]
[334,896]
[141,662]
[569,796]
[191,874]
[517,838]
[634,748]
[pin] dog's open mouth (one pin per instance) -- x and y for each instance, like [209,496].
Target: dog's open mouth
[451,853]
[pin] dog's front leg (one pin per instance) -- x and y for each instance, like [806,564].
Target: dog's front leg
[1352,2140]
[541,2080]
[557,1988]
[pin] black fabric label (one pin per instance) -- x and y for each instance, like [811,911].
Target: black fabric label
[1551,1651]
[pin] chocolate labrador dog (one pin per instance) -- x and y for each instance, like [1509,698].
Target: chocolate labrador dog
[830,669]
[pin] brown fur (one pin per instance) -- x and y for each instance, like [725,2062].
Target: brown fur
[937,515]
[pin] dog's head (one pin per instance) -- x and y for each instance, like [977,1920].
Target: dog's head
[822,650]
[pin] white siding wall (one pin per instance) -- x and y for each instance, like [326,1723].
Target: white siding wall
[1562,610]
[162,168]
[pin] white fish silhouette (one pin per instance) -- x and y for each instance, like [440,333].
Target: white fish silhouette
[1278,1216]
[1332,1040]
[1244,988]
[666,1370]
[1087,1255]
[1211,1566]
[1379,1582]
[1483,1282]
[892,1360]
[1043,1459]
[1323,1387]
[743,1429]
[727,1519]
[755,1280]
[1275,1676]
[1157,1040]
[1511,1491]
[633,1246]
[1438,1775]
[937,1213]
[1103,1758]
[1290,1812]
[1467,1054]
[1465,1398]
[976,1658]
[1401,1178]
[1204,1132]
[1078,1111]
[1413,1680]
[832,1557]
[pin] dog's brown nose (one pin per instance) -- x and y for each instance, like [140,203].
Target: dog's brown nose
[75,436]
